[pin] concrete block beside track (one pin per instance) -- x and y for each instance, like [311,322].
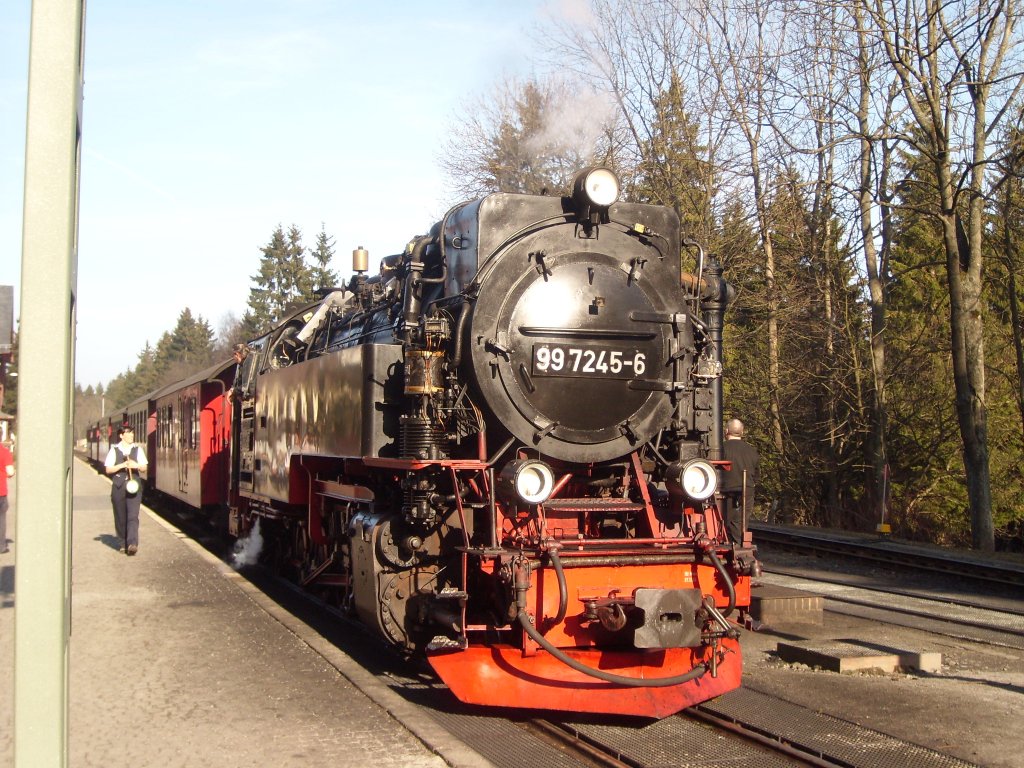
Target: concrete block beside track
[853,656]
[773,605]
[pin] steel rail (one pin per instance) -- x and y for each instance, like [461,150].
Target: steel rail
[774,742]
[943,598]
[891,554]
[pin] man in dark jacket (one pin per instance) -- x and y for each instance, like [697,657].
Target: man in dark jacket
[738,483]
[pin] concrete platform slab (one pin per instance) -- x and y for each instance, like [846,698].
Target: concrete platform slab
[856,656]
[177,661]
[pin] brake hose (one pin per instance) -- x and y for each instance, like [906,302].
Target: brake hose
[634,682]
[730,587]
[563,590]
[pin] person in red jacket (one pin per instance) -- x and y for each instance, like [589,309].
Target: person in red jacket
[6,471]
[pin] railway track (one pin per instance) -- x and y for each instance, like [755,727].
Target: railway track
[879,583]
[746,727]
[892,553]
[743,728]
[935,614]
[970,600]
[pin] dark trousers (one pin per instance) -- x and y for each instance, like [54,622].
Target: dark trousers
[732,507]
[126,513]
[3,523]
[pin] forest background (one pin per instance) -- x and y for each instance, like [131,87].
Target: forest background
[856,166]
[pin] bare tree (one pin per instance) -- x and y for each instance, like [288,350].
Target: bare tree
[1012,175]
[528,136]
[743,39]
[816,79]
[642,53]
[873,193]
[951,62]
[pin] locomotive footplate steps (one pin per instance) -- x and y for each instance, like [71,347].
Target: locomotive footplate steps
[593,505]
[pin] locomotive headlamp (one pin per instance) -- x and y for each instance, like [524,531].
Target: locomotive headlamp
[528,481]
[593,191]
[697,478]
[600,186]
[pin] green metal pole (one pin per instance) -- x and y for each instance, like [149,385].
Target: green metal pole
[49,263]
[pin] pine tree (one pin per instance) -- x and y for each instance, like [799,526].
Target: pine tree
[146,370]
[120,391]
[10,400]
[249,327]
[672,171]
[191,340]
[821,333]
[1004,328]
[321,274]
[283,280]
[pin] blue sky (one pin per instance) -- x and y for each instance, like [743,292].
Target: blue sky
[209,122]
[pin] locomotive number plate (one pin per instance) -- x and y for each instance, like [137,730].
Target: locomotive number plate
[604,362]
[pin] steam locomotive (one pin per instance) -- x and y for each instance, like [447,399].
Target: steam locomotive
[501,452]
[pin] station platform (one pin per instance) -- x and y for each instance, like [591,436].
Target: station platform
[176,660]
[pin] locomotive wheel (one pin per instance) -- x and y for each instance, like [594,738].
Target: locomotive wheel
[300,552]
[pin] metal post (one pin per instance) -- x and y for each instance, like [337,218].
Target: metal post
[743,502]
[42,615]
[716,294]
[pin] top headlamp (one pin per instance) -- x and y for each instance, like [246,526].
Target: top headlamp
[600,186]
[593,191]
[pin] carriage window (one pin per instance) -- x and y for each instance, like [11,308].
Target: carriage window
[170,427]
[194,424]
[185,428]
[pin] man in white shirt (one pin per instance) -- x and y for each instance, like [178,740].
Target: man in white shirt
[124,462]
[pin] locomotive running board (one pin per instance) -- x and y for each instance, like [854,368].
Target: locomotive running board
[502,676]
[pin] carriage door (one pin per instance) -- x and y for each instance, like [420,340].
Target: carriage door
[187,440]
